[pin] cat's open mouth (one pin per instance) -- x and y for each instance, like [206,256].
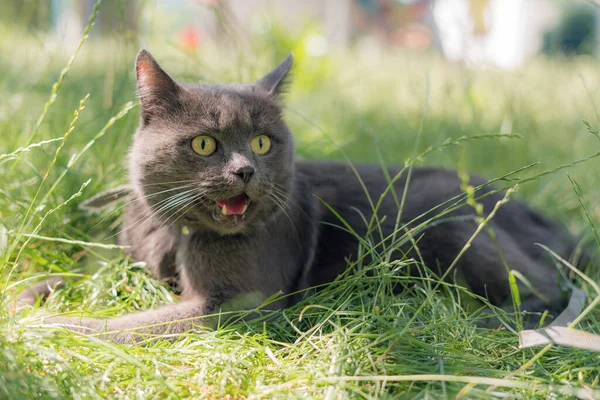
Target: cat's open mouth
[236,205]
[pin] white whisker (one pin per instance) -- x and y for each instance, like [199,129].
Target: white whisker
[166,204]
[148,196]
[281,205]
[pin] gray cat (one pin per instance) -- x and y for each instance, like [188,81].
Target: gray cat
[220,206]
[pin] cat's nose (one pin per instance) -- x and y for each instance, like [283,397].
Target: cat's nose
[245,173]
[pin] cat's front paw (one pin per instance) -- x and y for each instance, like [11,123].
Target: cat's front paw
[95,327]
[88,326]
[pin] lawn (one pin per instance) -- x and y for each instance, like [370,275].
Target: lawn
[64,137]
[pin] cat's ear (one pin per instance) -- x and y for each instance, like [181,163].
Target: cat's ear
[159,94]
[275,82]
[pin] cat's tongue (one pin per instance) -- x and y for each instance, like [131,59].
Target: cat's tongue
[234,205]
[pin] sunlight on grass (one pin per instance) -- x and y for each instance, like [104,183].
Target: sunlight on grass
[355,338]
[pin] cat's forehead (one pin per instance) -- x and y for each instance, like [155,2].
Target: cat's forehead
[225,107]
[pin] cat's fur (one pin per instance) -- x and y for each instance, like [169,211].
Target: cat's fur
[288,240]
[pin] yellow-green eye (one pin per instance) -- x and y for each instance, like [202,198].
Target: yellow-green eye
[261,144]
[204,145]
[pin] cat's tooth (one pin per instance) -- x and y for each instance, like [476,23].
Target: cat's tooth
[245,208]
[224,210]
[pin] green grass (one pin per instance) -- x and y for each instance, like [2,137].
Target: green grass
[353,339]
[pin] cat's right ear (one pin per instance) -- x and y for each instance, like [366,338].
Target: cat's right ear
[275,82]
[159,94]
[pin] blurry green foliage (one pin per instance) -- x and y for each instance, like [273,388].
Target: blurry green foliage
[575,34]
[28,15]
[275,40]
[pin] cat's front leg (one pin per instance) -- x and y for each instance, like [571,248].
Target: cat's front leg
[166,321]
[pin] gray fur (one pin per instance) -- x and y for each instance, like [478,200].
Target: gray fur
[287,240]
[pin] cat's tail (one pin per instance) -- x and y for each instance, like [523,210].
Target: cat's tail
[579,252]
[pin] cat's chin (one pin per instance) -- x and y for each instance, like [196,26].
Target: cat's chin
[235,226]
[234,219]
[215,222]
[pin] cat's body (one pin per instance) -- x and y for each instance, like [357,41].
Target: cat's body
[309,245]
[235,224]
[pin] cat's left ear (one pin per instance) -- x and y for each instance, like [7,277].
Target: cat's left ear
[275,82]
[160,95]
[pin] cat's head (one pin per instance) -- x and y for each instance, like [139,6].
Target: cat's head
[212,157]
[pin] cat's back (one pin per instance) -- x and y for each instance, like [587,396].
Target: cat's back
[431,190]
[343,186]
[353,192]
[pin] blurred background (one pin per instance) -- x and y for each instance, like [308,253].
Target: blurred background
[499,33]
[374,79]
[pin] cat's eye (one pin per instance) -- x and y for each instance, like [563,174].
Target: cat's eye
[204,145]
[261,144]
